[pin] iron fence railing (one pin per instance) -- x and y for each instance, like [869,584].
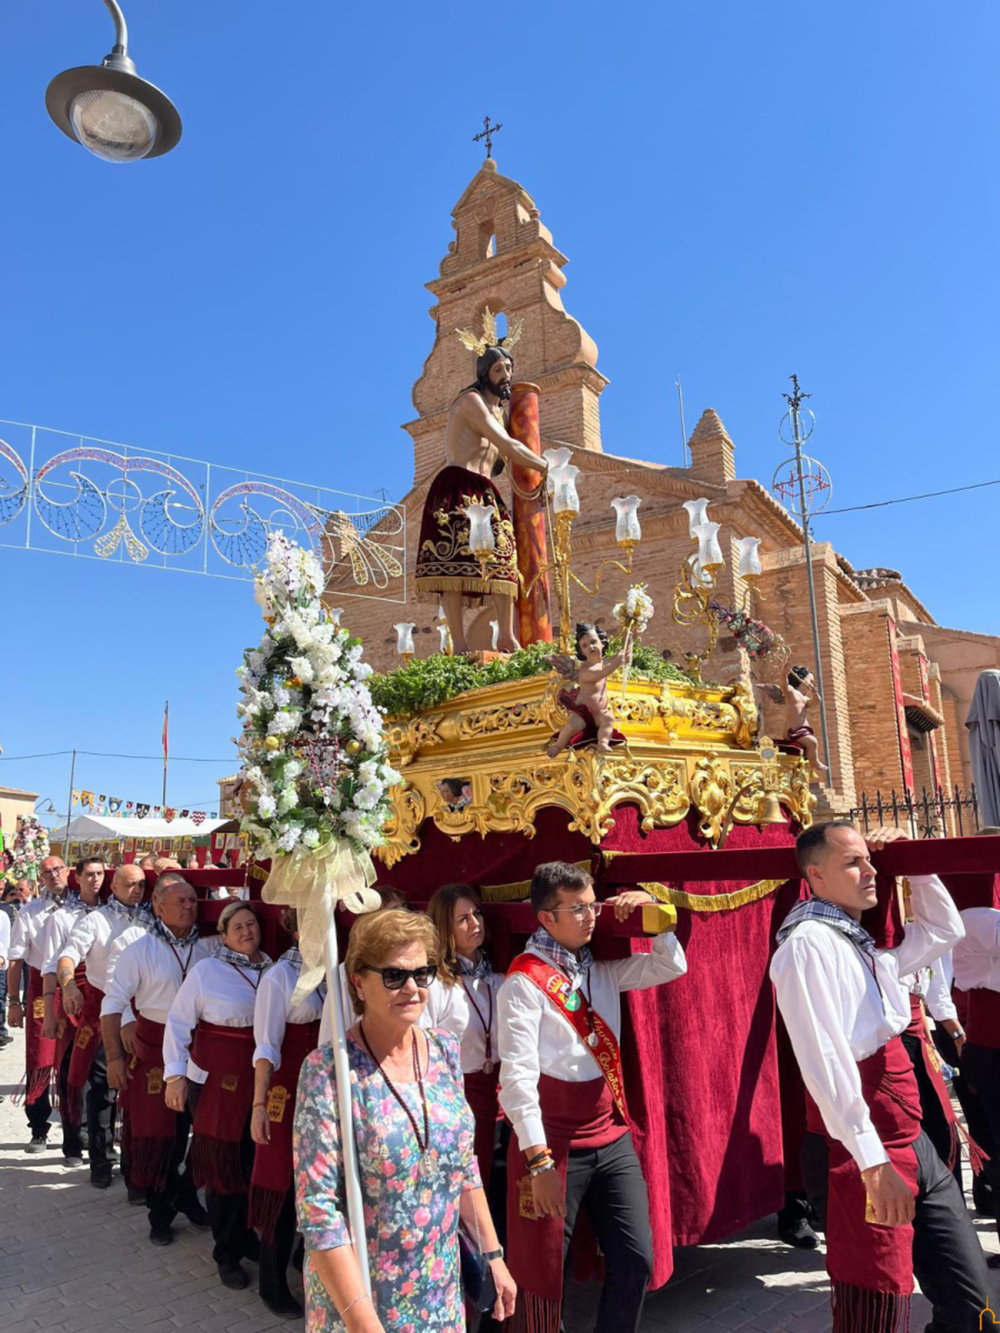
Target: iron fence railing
[925,813]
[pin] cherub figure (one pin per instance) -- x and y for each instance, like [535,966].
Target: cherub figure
[590,715]
[801,692]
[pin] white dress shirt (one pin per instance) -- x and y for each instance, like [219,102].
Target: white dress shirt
[148,974]
[4,939]
[977,959]
[90,942]
[274,1009]
[534,1038]
[128,936]
[58,927]
[453,1010]
[216,992]
[26,932]
[836,1016]
[933,985]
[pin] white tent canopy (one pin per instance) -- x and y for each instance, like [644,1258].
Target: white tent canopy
[107,828]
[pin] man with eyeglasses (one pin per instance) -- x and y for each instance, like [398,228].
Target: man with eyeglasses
[561,1087]
[26,948]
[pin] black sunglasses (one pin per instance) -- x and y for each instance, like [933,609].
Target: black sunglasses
[395,978]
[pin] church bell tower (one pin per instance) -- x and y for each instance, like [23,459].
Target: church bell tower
[503,257]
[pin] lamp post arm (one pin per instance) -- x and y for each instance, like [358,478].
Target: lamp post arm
[121,27]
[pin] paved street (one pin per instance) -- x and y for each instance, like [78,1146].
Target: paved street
[75,1259]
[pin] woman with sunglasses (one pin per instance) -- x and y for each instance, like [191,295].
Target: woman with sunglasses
[470,1010]
[210,1024]
[414,1136]
[284,1032]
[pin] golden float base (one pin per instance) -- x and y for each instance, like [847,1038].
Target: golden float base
[686,746]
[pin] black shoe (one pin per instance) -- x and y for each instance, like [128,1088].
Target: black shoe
[5,1039]
[101,1180]
[232,1275]
[39,1143]
[993,1261]
[251,1247]
[797,1232]
[197,1216]
[136,1196]
[286,1307]
[163,1235]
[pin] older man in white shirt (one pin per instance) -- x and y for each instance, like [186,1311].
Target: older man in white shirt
[146,978]
[894,1208]
[561,1087]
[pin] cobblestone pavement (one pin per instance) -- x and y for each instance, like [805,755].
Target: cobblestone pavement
[75,1259]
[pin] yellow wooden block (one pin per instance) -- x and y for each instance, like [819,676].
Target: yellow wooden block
[658,918]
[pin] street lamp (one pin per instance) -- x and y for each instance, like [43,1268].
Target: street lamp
[109,109]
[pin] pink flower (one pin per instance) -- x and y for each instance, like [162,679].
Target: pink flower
[422,1216]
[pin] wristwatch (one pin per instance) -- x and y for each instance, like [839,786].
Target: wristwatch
[490,1255]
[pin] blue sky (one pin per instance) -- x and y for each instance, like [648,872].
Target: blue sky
[743,191]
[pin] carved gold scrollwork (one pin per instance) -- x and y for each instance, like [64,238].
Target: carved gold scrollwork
[711,792]
[800,797]
[400,828]
[501,718]
[407,739]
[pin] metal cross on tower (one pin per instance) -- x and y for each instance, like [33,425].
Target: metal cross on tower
[487,133]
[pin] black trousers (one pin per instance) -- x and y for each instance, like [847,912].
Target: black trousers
[179,1192]
[72,1140]
[101,1102]
[3,1002]
[947,1257]
[608,1184]
[932,1117]
[981,1073]
[276,1256]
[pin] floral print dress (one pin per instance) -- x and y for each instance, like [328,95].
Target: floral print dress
[411,1220]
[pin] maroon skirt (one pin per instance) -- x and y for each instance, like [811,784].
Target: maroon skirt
[871,1266]
[223,1105]
[86,1044]
[481,1092]
[445,562]
[272,1163]
[43,1055]
[152,1125]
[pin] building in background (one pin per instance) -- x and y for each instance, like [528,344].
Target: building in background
[13,804]
[898,685]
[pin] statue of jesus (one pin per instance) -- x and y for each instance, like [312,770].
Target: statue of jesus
[476,447]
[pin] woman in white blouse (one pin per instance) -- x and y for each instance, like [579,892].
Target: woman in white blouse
[464,1002]
[285,1033]
[210,1025]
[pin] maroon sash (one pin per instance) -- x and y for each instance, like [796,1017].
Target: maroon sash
[481,1091]
[86,1044]
[983,1023]
[871,1266]
[152,1125]
[272,1163]
[585,1022]
[222,1106]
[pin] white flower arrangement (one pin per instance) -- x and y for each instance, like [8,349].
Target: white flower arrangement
[633,613]
[314,758]
[31,847]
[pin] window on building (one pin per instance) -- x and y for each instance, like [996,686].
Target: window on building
[487,241]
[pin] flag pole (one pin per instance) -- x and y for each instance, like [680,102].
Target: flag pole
[166,713]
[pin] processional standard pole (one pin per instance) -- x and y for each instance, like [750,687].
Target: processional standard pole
[345,1109]
[69,806]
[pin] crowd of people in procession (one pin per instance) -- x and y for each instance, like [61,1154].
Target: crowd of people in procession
[213,1070]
